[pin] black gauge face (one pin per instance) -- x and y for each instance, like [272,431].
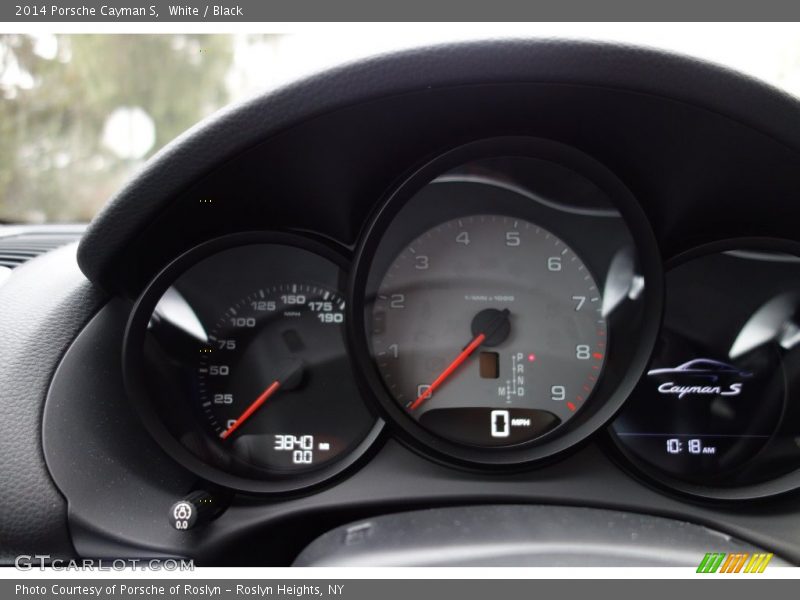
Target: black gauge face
[489,330]
[715,407]
[236,358]
[504,301]
[270,376]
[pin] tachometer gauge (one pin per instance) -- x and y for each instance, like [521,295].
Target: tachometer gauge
[235,356]
[489,330]
[504,301]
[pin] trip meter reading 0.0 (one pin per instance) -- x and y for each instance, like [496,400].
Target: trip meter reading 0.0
[270,379]
[488,330]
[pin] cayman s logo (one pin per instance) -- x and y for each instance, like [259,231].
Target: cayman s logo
[708,378]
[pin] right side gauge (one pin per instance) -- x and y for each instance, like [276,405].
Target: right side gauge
[716,413]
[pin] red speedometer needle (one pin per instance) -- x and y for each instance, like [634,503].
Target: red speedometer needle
[465,353]
[273,387]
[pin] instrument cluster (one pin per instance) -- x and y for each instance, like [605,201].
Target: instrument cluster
[503,304]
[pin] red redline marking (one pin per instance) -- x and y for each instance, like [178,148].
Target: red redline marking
[586,388]
[465,354]
[597,355]
[251,409]
[571,406]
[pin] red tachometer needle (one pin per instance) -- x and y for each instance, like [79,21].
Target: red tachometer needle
[251,409]
[465,353]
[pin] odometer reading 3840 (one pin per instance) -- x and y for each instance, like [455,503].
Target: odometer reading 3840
[488,330]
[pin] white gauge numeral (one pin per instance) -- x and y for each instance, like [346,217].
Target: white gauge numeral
[398,301]
[421,262]
[512,238]
[243,322]
[582,352]
[463,238]
[263,305]
[221,370]
[330,317]
[581,300]
[319,306]
[226,344]
[223,398]
[394,350]
[554,263]
[296,299]
[558,393]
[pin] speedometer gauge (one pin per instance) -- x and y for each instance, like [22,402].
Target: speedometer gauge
[236,359]
[268,374]
[489,330]
[504,301]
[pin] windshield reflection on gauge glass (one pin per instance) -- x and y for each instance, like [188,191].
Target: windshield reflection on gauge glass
[718,403]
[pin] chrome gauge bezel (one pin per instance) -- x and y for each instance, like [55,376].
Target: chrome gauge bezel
[640,469]
[406,429]
[134,372]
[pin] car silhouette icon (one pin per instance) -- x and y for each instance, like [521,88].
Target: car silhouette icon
[705,368]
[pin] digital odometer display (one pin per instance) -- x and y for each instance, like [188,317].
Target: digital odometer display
[488,330]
